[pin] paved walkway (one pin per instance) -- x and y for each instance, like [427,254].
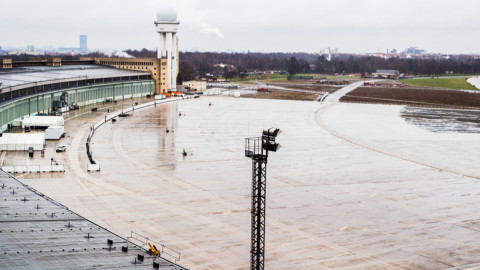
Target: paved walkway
[335,97]
[475,81]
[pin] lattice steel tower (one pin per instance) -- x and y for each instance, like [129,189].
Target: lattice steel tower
[257,149]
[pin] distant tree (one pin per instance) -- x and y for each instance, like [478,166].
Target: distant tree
[229,73]
[179,78]
[293,66]
[185,71]
[200,63]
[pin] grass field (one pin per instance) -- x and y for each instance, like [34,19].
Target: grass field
[451,83]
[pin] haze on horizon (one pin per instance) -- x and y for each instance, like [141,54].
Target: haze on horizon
[262,26]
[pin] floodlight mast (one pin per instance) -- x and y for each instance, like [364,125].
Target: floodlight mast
[257,149]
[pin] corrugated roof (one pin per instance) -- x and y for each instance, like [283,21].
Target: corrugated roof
[39,233]
[24,75]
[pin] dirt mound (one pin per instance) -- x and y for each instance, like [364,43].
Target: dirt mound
[414,96]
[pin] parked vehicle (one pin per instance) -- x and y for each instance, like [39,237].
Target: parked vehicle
[30,152]
[54,132]
[61,148]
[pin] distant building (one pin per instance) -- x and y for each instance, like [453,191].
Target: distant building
[83,43]
[20,52]
[30,48]
[414,51]
[386,74]
[221,65]
[5,63]
[199,86]
[156,66]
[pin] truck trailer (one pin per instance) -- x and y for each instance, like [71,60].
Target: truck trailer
[54,132]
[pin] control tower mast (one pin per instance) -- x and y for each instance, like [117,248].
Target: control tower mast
[167,27]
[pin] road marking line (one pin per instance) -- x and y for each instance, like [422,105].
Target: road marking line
[344,228]
[333,132]
[3,156]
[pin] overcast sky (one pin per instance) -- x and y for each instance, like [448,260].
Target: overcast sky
[354,26]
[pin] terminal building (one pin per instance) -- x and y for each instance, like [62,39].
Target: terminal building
[32,90]
[35,86]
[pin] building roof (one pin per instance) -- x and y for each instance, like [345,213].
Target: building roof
[36,74]
[39,233]
[43,121]
[387,71]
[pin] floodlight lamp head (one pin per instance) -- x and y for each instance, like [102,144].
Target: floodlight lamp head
[271,147]
[271,132]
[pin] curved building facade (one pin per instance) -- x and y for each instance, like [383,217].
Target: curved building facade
[33,90]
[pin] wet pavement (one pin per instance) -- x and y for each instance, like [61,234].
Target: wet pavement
[443,120]
[353,186]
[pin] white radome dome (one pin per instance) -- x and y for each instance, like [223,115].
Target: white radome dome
[166,13]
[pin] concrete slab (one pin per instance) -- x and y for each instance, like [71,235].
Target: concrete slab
[353,186]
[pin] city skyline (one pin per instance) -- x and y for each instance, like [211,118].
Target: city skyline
[306,26]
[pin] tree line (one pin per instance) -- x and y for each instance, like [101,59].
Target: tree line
[200,63]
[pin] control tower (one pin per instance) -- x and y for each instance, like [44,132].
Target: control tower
[167,27]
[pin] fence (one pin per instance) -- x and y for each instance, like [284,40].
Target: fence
[93,164]
[34,168]
[143,240]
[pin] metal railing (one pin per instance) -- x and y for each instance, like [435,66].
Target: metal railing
[34,168]
[92,160]
[144,240]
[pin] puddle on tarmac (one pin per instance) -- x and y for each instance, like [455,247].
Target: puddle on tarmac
[443,120]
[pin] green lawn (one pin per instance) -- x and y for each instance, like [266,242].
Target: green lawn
[452,83]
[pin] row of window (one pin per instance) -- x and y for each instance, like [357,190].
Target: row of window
[116,63]
[20,108]
[135,68]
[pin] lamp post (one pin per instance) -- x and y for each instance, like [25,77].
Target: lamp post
[257,149]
